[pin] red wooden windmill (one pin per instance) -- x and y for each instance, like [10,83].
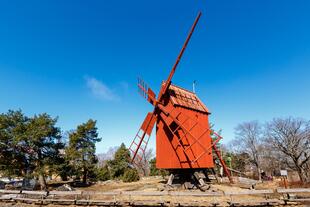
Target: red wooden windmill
[183,140]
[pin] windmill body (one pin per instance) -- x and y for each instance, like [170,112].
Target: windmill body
[183,140]
[175,148]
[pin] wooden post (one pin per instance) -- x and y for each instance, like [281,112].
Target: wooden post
[284,177]
[285,181]
[170,179]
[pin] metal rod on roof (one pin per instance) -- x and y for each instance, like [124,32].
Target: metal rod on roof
[194,83]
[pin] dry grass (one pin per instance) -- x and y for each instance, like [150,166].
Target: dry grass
[145,184]
[151,184]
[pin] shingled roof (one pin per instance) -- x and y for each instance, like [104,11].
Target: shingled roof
[182,97]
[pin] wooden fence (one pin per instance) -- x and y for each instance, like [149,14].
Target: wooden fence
[164,198]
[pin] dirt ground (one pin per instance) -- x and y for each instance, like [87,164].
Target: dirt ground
[151,184]
[157,183]
[145,184]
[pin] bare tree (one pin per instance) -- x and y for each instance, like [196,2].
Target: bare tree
[145,167]
[108,155]
[271,160]
[291,136]
[248,139]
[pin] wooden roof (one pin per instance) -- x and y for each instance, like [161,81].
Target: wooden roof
[184,98]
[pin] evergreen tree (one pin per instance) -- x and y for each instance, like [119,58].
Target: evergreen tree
[131,175]
[12,155]
[63,168]
[155,171]
[28,146]
[82,148]
[103,173]
[42,143]
[120,162]
[120,166]
[240,160]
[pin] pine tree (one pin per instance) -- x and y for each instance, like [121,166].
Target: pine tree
[13,160]
[120,162]
[155,171]
[82,148]
[120,166]
[28,146]
[131,175]
[103,173]
[42,143]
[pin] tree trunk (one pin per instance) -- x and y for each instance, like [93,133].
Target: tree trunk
[300,174]
[40,168]
[64,177]
[42,181]
[307,171]
[84,176]
[259,173]
[299,171]
[257,164]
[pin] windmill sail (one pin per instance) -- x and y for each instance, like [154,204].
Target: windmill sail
[168,81]
[139,144]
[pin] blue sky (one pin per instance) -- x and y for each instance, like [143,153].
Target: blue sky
[80,60]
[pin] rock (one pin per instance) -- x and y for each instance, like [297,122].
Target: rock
[14,185]
[30,184]
[2,185]
[65,187]
[188,185]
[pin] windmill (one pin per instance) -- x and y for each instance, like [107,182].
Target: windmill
[183,135]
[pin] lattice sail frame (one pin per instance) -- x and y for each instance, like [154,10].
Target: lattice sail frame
[138,146]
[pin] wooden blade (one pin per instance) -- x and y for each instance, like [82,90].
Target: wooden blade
[138,145]
[148,123]
[151,96]
[146,91]
[168,81]
[217,152]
